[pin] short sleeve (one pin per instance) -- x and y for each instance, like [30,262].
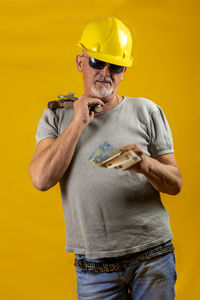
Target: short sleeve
[47,126]
[161,140]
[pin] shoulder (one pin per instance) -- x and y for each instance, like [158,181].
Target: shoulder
[142,105]
[58,113]
[59,118]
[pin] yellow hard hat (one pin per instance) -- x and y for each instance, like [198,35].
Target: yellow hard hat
[109,40]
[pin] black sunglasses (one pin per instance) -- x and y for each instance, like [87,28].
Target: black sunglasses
[98,64]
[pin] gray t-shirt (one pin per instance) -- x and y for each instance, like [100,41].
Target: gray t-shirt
[109,212]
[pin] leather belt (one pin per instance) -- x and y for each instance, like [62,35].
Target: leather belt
[121,265]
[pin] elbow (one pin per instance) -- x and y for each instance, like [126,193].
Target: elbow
[175,191]
[38,181]
[39,184]
[40,187]
[179,184]
[177,188]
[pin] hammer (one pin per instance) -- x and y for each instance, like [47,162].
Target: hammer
[68,100]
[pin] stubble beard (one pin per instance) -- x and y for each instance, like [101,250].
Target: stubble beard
[102,92]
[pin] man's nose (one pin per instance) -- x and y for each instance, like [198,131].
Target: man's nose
[105,71]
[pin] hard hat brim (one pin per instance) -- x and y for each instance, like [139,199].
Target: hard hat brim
[116,60]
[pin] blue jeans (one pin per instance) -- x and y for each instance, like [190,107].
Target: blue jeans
[152,279]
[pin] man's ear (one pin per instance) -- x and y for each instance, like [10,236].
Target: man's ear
[79,63]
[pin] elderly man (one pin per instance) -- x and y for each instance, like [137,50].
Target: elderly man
[116,223]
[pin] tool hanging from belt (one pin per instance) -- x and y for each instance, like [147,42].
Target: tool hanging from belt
[126,262]
[68,100]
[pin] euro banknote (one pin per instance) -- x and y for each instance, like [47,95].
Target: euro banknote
[108,156]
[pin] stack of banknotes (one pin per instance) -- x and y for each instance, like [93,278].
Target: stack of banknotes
[107,156]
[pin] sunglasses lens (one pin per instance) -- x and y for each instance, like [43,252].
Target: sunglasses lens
[96,64]
[116,69]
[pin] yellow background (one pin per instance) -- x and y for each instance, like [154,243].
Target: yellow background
[38,47]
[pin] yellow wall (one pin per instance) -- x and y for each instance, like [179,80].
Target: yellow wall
[38,47]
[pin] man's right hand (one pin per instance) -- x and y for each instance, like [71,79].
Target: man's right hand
[82,115]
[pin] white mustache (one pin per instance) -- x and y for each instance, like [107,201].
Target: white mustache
[104,79]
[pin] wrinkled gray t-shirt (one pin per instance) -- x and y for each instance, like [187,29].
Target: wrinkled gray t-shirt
[109,212]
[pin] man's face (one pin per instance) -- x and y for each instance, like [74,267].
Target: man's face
[98,83]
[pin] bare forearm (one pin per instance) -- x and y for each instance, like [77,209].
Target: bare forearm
[53,156]
[162,172]
[164,178]
[48,166]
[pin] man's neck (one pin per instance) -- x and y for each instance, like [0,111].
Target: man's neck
[111,102]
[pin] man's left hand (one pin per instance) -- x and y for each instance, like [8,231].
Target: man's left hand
[141,166]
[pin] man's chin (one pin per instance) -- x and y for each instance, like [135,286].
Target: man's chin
[102,93]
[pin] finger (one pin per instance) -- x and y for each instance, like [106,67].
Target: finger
[91,114]
[90,100]
[133,147]
[138,152]
[95,101]
[128,147]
